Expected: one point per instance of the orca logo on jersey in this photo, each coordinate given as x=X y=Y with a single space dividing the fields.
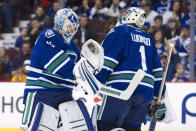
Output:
x=139 y=38
x=49 y=33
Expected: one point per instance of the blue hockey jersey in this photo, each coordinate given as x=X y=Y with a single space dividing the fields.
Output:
x=53 y=54
x=127 y=49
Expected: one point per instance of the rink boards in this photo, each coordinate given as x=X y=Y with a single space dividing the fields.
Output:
x=182 y=97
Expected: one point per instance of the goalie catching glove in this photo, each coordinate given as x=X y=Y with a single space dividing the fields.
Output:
x=91 y=62
x=94 y=54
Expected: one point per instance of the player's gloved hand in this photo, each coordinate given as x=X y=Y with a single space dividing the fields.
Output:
x=93 y=52
x=91 y=62
x=157 y=111
x=163 y=112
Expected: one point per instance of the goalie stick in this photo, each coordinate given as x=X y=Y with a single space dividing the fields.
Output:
x=124 y=95
x=153 y=120
x=98 y=87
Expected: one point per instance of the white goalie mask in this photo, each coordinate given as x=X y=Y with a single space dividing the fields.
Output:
x=133 y=15
x=66 y=22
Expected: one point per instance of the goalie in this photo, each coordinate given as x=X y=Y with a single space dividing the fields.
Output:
x=126 y=49
x=48 y=101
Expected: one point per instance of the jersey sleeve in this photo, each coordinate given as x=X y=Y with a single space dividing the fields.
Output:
x=157 y=72
x=113 y=46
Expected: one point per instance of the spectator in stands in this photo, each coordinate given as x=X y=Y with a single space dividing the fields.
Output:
x=159 y=41
x=163 y=60
x=34 y=30
x=3 y=72
x=183 y=40
x=81 y=7
x=172 y=29
x=21 y=75
x=186 y=19
x=23 y=37
x=162 y=6
x=1 y=24
x=84 y=33
x=8 y=11
x=25 y=9
x=175 y=58
x=98 y=12
x=175 y=13
x=158 y=20
x=179 y=75
x=171 y=68
x=136 y=3
x=45 y=3
x=75 y=3
x=41 y=16
x=24 y=54
x=114 y=9
x=5 y=62
x=150 y=14
x=185 y=61
x=110 y=23
x=56 y=6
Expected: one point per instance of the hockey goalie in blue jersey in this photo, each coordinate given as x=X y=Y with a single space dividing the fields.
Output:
x=126 y=49
x=55 y=53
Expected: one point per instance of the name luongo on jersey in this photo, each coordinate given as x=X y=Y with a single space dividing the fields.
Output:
x=139 y=38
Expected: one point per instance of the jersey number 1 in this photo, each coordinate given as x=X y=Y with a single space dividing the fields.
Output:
x=143 y=57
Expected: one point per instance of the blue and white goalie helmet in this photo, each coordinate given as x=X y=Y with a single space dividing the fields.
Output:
x=66 y=22
x=132 y=15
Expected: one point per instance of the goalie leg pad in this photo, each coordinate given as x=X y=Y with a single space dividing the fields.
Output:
x=45 y=118
x=74 y=116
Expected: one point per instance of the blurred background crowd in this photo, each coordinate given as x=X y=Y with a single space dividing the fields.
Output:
x=21 y=22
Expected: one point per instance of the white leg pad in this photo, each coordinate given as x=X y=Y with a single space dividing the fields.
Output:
x=45 y=118
x=75 y=117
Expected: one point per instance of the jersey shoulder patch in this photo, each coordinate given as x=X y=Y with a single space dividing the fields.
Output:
x=49 y=33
